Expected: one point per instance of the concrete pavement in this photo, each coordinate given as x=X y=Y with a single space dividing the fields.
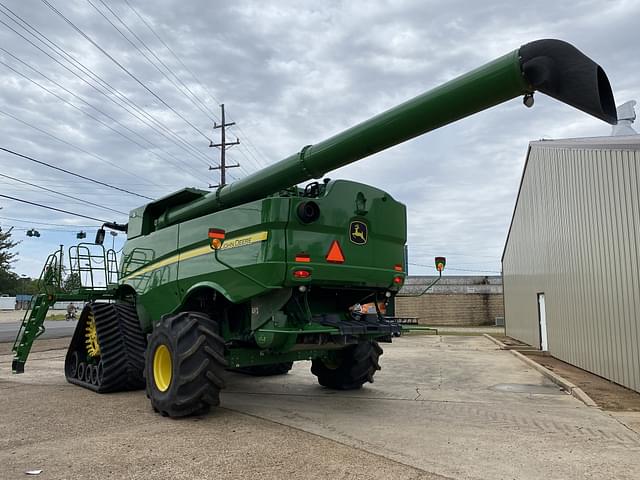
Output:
x=452 y=407
x=455 y=406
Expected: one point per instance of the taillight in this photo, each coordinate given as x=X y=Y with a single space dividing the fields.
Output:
x=301 y=273
x=398 y=280
x=303 y=257
x=397 y=267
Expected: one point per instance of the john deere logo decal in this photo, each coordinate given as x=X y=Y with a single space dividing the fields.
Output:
x=358 y=232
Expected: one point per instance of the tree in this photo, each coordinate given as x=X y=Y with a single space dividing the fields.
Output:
x=8 y=279
x=6 y=244
x=8 y=282
x=71 y=283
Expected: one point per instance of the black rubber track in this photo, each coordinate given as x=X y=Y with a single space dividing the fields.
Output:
x=122 y=349
x=198 y=364
x=266 y=370
x=357 y=366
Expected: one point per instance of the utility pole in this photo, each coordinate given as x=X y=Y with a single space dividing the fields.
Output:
x=223 y=145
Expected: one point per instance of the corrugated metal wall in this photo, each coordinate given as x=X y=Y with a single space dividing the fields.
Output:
x=575 y=236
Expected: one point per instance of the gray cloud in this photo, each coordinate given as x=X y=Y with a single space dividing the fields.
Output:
x=293 y=73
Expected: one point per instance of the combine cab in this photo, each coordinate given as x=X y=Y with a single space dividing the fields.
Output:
x=261 y=272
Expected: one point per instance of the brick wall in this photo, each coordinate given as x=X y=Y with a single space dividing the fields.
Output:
x=452 y=309
x=456 y=300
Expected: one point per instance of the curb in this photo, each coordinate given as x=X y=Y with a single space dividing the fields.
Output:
x=496 y=341
x=571 y=388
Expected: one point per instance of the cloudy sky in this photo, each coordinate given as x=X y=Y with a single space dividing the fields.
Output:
x=290 y=74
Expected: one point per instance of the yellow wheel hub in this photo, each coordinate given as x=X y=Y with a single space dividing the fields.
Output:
x=162 y=368
x=91 y=337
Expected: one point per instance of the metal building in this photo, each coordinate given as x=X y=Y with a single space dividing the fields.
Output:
x=571 y=263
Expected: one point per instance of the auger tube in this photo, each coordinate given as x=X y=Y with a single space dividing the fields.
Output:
x=553 y=67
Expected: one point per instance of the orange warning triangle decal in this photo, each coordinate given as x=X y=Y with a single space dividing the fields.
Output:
x=335 y=254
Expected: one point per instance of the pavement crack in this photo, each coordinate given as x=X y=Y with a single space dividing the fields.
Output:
x=621 y=422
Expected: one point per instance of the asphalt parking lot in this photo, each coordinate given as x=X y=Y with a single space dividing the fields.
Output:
x=442 y=407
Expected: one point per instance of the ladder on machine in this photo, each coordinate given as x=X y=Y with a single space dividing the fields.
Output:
x=92 y=275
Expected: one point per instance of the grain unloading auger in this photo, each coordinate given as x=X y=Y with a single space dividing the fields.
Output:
x=261 y=273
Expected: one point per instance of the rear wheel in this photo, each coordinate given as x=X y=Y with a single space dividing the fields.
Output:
x=266 y=370
x=185 y=365
x=355 y=366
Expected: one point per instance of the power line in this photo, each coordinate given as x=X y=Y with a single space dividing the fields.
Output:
x=122 y=67
x=45 y=223
x=73 y=173
x=52 y=208
x=455 y=269
x=195 y=101
x=117 y=122
x=93 y=117
x=128 y=103
x=40 y=229
x=172 y=53
x=430 y=246
x=98 y=157
x=256 y=160
x=61 y=194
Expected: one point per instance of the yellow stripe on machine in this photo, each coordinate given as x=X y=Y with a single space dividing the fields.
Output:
x=199 y=251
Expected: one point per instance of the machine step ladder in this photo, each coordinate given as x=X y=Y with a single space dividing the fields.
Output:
x=32 y=327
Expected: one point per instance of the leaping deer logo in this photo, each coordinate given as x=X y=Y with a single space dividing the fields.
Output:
x=358 y=233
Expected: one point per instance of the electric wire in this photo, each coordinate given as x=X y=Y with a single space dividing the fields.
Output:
x=70 y=188
x=430 y=246
x=122 y=67
x=59 y=51
x=80 y=149
x=172 y=53
x=81 y=200
x=128 y=103
x=45 y=223
x=53 y=208
x=40 y=229
x=193 y=99
x=40 y=162
x=206 y=161
x=117 y=122
x=455 y=269
x=93 y=117
x=259 y=161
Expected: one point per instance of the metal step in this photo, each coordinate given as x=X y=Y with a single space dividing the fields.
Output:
x=32 y=327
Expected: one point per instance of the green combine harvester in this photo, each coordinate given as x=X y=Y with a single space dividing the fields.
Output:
x=261 y=272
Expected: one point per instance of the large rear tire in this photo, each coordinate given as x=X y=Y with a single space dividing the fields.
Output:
x=185 y=365
x=356 y=365
x=266 y=370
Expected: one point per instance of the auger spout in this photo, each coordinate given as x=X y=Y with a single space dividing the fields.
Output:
x=553 y=67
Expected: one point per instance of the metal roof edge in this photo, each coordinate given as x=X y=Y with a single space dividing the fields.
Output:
x=513 y=215
x=626 y=142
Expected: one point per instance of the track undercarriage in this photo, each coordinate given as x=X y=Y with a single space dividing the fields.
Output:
x=106 y=353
